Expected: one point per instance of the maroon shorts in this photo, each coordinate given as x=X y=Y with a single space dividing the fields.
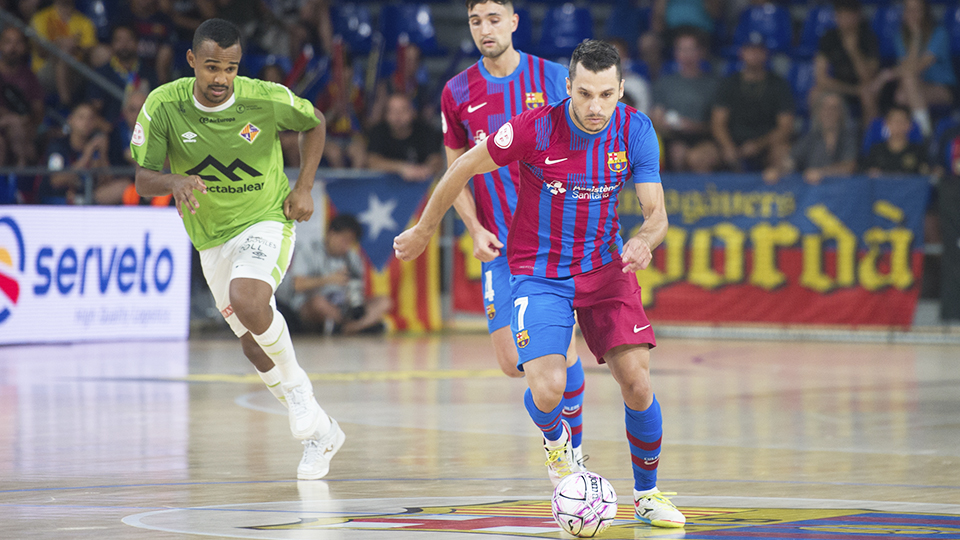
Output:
x=610 y=310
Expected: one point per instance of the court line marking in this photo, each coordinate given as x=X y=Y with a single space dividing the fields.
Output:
x=340 y=376
x=136 y=520
x=532 y=479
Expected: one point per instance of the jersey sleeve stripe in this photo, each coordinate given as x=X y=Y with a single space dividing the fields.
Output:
x=289 y=93
x=146 y=114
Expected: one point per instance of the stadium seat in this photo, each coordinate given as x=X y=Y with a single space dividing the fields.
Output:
x=886 y=25
x=877 y=132
x=771 y=21
x=801 y=79
x=412 y=21
x=562 y=29
x=951 y=21
x=523 y=37
x=352 y=23
x=627 y=22
x=819 y=20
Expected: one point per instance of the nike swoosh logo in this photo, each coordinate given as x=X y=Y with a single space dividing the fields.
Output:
x=472 y=108
x=549 y=161
x=636 y=330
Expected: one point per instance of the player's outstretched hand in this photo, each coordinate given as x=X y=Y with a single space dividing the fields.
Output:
x=298 y=205
x=636 y=255
x=486 y=245
x=183 y=193
x=410 y=244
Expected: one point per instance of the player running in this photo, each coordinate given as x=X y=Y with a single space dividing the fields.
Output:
x=478 y=101
x=566 y=255
x=219 y=132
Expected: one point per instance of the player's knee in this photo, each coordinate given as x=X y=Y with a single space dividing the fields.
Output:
x=547 y=391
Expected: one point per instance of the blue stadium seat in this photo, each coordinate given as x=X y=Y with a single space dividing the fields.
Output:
x=877 y=132
x=801 y=79
x=951 y=21
x=771 y=21
x=413 y=21
x=886 y=24
x=819 y=20
x=523 y=37
x=352 y=22
x=562 y=29
x=627 y=22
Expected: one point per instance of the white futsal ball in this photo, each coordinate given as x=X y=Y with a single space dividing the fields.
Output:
x=584 y=504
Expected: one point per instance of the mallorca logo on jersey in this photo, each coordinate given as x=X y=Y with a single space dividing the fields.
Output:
x=10 y=262
x=535 y=99
x=617 y=161
x=523 y=338
x=249 y=132
x=491 y=312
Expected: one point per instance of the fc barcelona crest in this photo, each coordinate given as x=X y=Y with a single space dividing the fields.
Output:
x=522 y=338
x=491 y=312
x=535 y=99
x=617 y=161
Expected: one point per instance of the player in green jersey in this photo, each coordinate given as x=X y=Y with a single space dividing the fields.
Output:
x=220 y=135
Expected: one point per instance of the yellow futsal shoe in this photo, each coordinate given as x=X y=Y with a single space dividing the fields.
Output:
x=657 y=510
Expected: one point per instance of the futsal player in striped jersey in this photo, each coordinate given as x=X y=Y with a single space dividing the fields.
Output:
x=566 y=255
x=478 y=101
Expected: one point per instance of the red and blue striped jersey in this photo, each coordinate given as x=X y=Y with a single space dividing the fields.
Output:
x=475 y=104
x=566 y=218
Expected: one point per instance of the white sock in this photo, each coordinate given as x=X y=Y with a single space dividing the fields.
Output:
x=559 y=443
x=277 y=344
x=638 y=494
x=272 y=380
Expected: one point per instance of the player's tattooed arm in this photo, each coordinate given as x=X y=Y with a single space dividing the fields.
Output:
x=486 y=245
x=411 y=243
x=638 y=250
x=299 y=203
x=157 y=184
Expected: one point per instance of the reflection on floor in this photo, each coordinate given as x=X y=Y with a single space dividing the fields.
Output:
x=761 y=440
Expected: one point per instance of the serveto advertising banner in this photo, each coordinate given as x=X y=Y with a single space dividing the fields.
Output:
x=93 y=274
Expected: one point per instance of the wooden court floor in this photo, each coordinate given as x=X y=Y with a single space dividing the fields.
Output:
x=761 y=440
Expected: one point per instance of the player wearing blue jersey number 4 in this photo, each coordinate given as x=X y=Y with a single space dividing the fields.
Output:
x=502 y=84
x=566 y=255
x=220 y=135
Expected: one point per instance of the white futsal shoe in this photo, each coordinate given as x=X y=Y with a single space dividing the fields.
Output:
x=560 y=461
x=657 y=510
x=302 y=409
x=318 y=451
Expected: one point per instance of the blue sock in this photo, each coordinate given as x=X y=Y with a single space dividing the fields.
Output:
x=573 y=402
x=644 y=431
x=548 y=422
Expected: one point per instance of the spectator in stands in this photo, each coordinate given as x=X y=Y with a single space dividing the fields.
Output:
x=752 y=118
x=155 y=34
x=636 y=89
x=262 y=27
x=681 y=107
x=21 y=100
x=408 y=77
x=185 y=14
x=289 y=140
x=303 y=21
x=125 y=70
x=342 y=104
x=120 y=155
x=828 y=149
x=948 y=164
x=847 y=60
x=80 y=148
x=74 y=34
x=403 y=144
x=327 y=283
x=896 y=155
x=669 y=15
x=924 y=73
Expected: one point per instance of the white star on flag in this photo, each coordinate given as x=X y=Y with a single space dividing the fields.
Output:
x=378 y=216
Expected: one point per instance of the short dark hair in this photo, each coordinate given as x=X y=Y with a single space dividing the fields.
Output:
x=701 y=37
x=223 y=33
x=595 y=56
x=346 y=223
x=473 y=3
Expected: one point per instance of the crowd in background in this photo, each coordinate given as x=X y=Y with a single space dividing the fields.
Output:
x=725 y=92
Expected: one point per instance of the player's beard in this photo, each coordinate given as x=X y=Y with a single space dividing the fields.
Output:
x=584 y=125
x=496 y=52
x=213 y=98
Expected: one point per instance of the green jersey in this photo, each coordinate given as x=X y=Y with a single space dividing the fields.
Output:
x=233 y=147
